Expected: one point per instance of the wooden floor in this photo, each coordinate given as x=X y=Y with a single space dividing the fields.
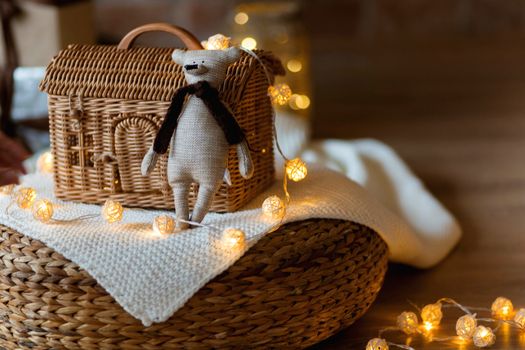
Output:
x=460 y=125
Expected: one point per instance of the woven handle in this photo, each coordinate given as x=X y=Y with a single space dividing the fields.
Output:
x=187 y=38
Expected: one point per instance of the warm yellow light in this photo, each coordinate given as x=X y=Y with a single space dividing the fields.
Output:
x=25 y=197
x=273 y=207
x=280 y=94
x=377 y=344
x=217 y=42
x=428 y=326
x=407 y=322
x=431 y=314
x=112 y=211
x=466 y=326
x=7 y=189
x=299 y=102
x=233 y=239
x=43 y=210
x=249 y=43
x=502 y=308
x=294 y=66
x=296 y=169
x=45 y=163
x=163 y=225
x=519 y=318
x=241 y=18
x=483 y=337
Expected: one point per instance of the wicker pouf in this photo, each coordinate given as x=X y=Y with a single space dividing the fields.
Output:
x=294 y=288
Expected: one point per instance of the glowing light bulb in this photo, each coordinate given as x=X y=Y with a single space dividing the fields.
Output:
x=407 y=321
x=217 y=42
x=428 y=326
x=466 y=326
x=112 y=211
x=280 y=93
x=273 y=207
x=25 y=197
x=45 y=163
x=241 y=18
x=483 y=337
x=431 y=315
x=519 y=318
x=296 y=169
x=249 y=43
x=377 y=344
x=294 y=66
x=233 y=239
x=7 y=189
x=502 y=308
x=43 y=210
x=163 y=225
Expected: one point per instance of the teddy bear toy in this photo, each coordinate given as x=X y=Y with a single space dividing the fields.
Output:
x=199 y=130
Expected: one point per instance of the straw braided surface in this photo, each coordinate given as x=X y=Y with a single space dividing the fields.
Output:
x=106 y=105
x=294 y=288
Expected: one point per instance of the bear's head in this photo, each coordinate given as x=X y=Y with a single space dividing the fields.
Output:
x=208 y=65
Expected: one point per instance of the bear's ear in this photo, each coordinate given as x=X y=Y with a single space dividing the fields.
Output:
x=178 y=56
x=232 y=54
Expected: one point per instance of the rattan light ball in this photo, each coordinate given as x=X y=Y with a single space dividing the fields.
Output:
x=295 y=287
x=163 y=225
x=112 y=211
x=273 y=207
x=43 y=210
x=25 y=197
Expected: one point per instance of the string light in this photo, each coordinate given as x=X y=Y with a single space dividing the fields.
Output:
x=519 y=318
x=7 y=189
x=45 y=163
x=163 y=225
x=25 y=197
x=43 y=210
x=466 y=326
x=233 y=239
x=249 y=43
x=431 y=315
x=483 y=337
x=296 y=169
x=280 y=93
x=217 y=42
x=407 y=322
x=273 y=207
x=112 y=211
x=294 y=66
x=377 y=344
x=502 y=308
x=241 y=18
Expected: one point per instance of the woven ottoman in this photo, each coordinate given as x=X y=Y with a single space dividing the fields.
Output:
x=295 y=287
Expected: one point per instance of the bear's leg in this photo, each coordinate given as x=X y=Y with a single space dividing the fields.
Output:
x=180 y=195
x=204 y=200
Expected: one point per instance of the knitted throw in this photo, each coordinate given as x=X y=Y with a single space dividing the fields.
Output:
x=152 y=277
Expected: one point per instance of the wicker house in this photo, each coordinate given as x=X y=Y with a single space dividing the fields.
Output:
x=106 y=104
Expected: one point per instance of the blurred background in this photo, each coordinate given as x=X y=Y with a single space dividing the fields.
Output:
x=357 y=68
x=440 y=81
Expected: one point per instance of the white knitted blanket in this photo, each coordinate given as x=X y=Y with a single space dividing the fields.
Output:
x=152 y=277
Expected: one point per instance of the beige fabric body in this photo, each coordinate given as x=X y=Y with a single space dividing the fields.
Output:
x=198 y=153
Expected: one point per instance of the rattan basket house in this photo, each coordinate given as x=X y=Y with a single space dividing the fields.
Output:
x=106 y=104
x=294 y=288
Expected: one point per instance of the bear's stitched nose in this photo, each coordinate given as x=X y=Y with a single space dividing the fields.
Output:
x=191 y=66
